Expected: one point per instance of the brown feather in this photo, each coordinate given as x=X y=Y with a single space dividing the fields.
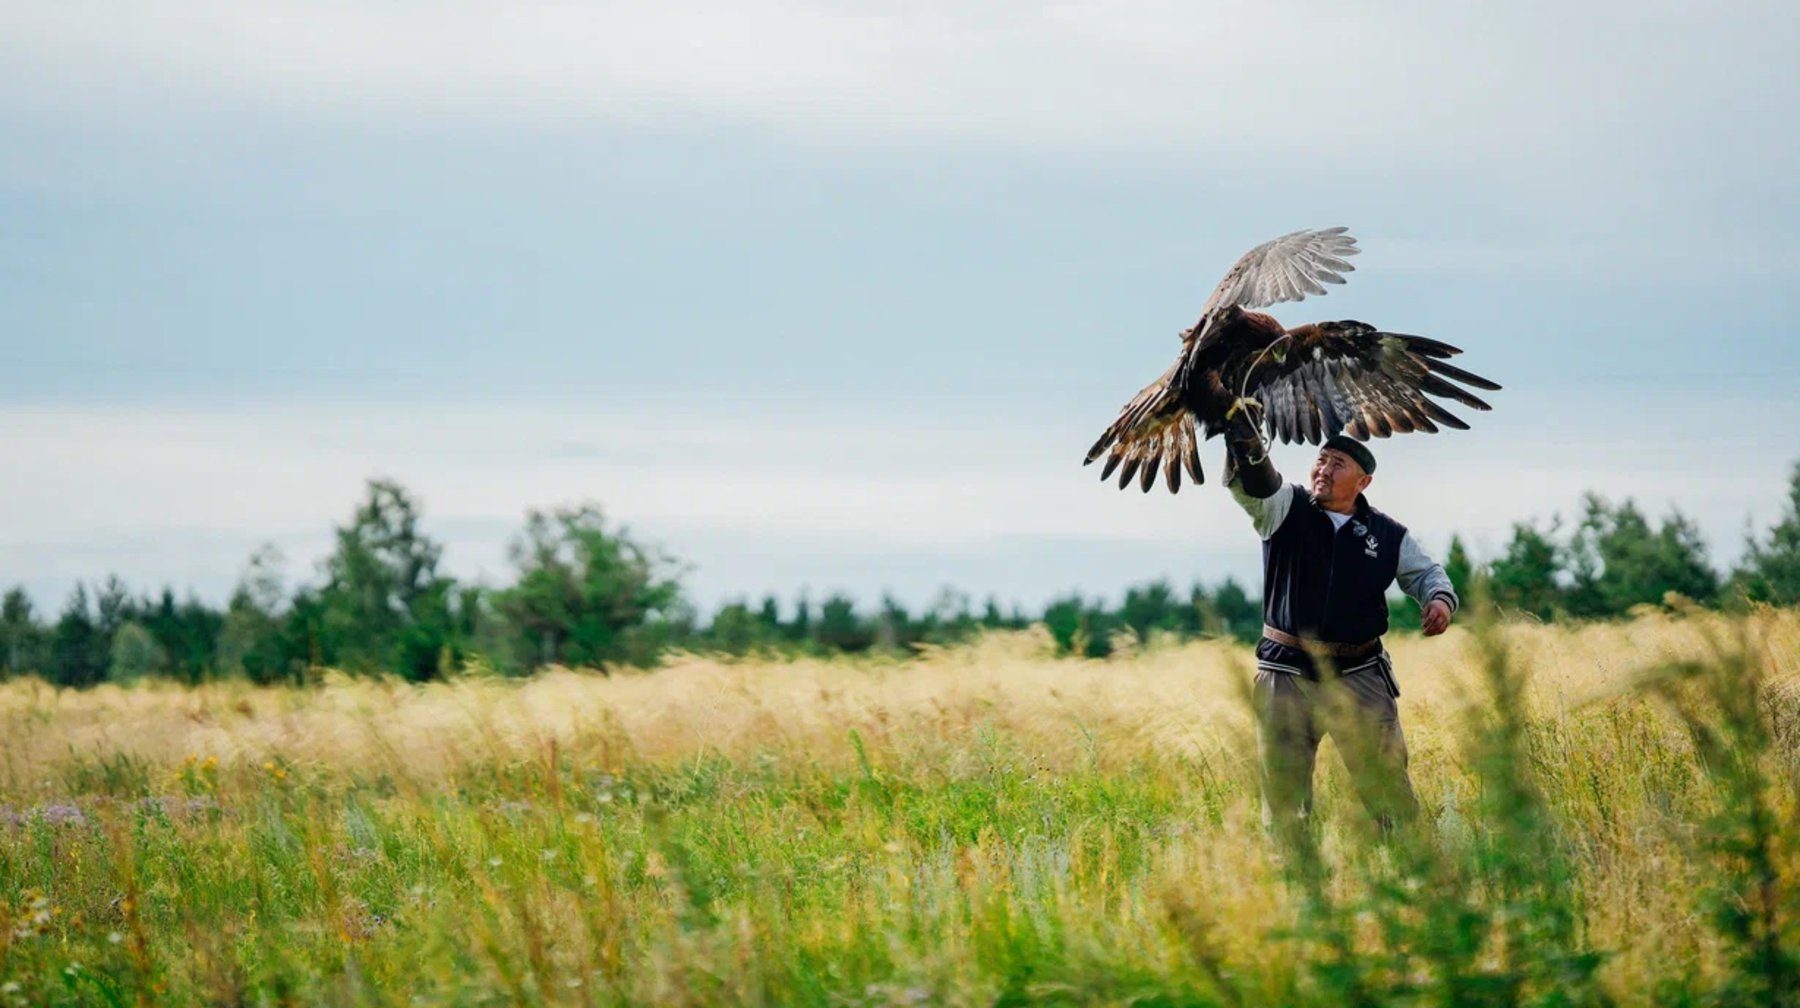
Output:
x=1439 y=387
x=1130 y=470
x=1442 y=415
x=1427 y=346
x=1422 y=422
x=1452 y=371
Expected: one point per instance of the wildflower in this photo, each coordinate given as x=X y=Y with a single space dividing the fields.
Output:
x=493 y=862
x=61 y=815
x=583 y=817
x=114 y=937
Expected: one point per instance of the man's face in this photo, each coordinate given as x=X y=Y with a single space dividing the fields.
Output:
x=1336 y=478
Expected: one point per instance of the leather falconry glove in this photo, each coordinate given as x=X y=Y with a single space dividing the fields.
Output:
x=1247 y=458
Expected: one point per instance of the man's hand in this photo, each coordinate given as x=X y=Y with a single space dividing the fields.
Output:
x=1247 y=459
x=1437 y=617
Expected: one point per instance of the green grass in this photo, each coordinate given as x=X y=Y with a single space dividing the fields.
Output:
x=980 y=827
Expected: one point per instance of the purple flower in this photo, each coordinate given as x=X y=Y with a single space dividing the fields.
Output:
x=60 y=815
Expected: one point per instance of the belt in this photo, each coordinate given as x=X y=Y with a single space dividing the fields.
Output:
x=1364 y=650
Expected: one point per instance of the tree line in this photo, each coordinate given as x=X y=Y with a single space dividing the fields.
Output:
x=592 y=595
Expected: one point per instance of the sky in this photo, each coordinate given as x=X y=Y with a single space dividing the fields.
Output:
x=825 y=297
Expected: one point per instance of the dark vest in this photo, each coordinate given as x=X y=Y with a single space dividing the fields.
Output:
x=1327 y=584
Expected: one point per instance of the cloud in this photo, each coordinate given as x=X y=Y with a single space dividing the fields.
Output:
x=958 y=236
x=1328 y=89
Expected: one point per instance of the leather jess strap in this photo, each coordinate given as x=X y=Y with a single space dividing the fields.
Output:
x=1364 y=650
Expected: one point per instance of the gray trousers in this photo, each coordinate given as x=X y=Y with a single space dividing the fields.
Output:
x=1360 y=713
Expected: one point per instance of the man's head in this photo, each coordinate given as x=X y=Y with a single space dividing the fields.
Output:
x=1341 y=472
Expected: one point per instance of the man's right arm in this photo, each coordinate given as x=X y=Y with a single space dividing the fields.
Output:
x=1266 y=513
x=1253 y=480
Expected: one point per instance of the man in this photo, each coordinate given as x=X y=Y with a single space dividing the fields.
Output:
x=1328 y=559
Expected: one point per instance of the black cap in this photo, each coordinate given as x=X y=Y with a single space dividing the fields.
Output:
x=1353 y=448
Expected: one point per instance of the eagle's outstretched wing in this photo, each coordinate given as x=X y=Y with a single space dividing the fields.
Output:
x=1155 y=431
x=1285 y=269
x=1328 y=377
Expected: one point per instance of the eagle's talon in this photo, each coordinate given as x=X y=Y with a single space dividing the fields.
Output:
x=1244 y=404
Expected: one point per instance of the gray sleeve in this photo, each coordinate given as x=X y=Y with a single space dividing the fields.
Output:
x=1266 y=513
x=1422 y=577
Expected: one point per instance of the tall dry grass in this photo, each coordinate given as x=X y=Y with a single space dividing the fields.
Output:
x=979 y=825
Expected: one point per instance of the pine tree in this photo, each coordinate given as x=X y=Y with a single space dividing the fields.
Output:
x=1525 y=578
x=1771 y=568
x=1459 y=568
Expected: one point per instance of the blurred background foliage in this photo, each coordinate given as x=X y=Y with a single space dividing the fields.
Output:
x=587 y=593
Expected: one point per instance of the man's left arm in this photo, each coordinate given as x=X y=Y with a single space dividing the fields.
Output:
x=1424 y=579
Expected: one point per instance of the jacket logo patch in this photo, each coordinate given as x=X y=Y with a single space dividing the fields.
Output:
x=1370 y=546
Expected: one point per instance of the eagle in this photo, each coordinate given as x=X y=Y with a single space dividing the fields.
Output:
x=1240 y=367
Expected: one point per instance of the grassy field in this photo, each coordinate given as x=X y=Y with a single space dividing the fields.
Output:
x=978 y=826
